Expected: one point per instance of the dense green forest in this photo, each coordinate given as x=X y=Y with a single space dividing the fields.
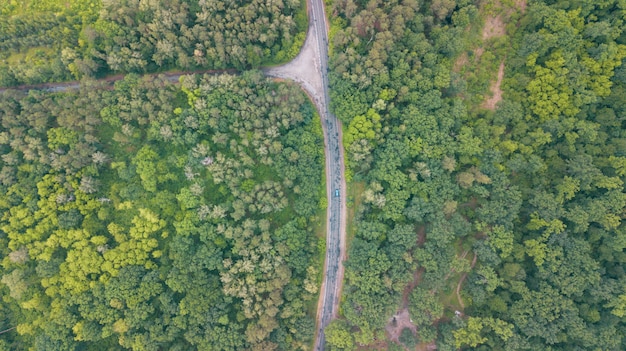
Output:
x=56 y=40
x=486 y=156
x=518 y=210
x=155 y=216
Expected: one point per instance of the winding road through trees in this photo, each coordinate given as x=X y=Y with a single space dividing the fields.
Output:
x=310 y=70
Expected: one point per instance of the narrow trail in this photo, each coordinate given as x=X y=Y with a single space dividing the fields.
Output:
x=171 y=76
x=310 y=70
x=463 y=277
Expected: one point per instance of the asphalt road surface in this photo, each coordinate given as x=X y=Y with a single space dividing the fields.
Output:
x=310 y=70
x=335 y=180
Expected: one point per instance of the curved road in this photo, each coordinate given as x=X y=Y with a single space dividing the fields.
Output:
x=335 y=180
x=310 y=70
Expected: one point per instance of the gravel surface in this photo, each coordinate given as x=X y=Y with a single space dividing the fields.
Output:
x=304 y=69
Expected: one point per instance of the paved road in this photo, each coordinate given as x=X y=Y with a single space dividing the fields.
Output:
x=335 y=180
x=310 y=69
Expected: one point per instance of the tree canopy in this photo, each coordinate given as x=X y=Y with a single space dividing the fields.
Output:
x=497 y=230
x=54 y=40
x=156 y=216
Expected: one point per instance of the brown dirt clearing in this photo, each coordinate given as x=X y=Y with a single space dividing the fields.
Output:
x=397 y=323
x=426 y=347
x=460 y=62
x=494 y=27
x=478 y=52
x=521 y=5
x=496 y=91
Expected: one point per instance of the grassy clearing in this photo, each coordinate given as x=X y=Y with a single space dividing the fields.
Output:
x=487 y=42
x=447 y=295
x=355 y=198
x=354 y=193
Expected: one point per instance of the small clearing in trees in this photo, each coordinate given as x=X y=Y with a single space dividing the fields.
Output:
x=460 y=62
x=402 y=319
x=463 y=277
x=494 y=27
x=478 y=52
x=397 y=323
x=496 y=91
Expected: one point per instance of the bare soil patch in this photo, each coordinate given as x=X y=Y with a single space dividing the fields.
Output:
x=397 y=323
x=304 y=70
x=478 y=52
x=426 y=347
x=521 y=5
x=460 y=62
x=496 y=91
x=494 y=27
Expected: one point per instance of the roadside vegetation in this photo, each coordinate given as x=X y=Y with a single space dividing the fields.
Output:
x=160 y=217
x=490 y=136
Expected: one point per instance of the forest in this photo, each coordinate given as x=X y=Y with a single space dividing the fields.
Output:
x=476 y=226
x=58 y=40
x=154 y=216
x=485 y=145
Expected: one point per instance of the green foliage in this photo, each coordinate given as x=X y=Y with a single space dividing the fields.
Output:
x=363 y=127
x=338 y=336
x=162 y=225
x=425 y=307
x=470 y=335
x=535 y=188
x=53 y=40
x=408 y=339
x=144 y=161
